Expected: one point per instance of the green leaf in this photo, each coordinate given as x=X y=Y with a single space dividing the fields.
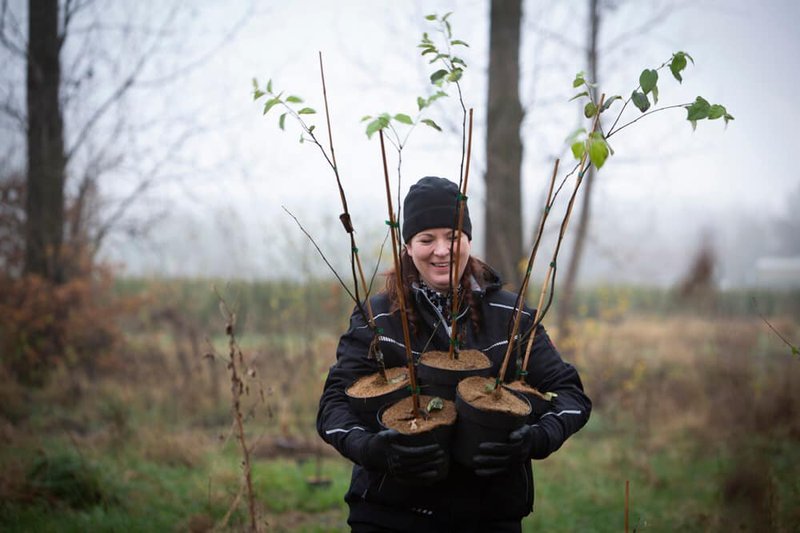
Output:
x=578 y=81
x=647 y=80
x=429 y=50
x=678 y=63
x=376 y=125
x=421 y=103
x=255 y=84
x=282 y=121
x=365 y=118
x=458 y=61
x=610 y=101
x=795 y=350
x=640 y=100
x=311 y=128
x=727 y=118
x=270 y=104
x=575 y=134
x=430 y=17
x=578 y=149
x=584 y=93
x=698 y=110
x=459 y=42
x=302 y=139
x=269 y=86
x=437 y=76
x=716 y=111
x=432 y=124
x=455 y=75
x=436 y=404
x=598 y=152
x=294 y=99
x=435 y=96
x=306 y=111
x=589 y=110
x=654 y=92
x=258 y=94
x=403 y=118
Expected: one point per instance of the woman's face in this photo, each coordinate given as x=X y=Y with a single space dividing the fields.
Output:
x=430 y=251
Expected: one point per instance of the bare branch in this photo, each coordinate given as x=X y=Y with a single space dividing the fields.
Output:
x=103 y=109
x=14 y=48
x=140 y=189
x=14 y=113
x=341 y=281
x=642 y=29
x=118 y=93
x=557 y=38
x=205 y=57
x=71 y=7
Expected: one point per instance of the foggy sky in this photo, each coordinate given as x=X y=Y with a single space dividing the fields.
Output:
x=665 y=192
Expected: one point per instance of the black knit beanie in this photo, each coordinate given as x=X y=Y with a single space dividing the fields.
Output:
x=432 y=203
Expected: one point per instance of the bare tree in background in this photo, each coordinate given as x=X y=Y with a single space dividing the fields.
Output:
x=44 y=205
x=90 y=159
x=503 y=143
x=597 y=10
x=787 y=226
x=567 y=295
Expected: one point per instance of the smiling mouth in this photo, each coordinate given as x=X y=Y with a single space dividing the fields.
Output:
x=441 y=265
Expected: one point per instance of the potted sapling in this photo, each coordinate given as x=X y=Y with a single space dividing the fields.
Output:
x=476 y=397
x=441 y=371
x=488 y=411
x=539 y=401
x=420 y=419
x=370 y=392
x=593 y=149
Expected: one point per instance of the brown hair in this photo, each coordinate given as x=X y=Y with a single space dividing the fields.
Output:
x=474 y=268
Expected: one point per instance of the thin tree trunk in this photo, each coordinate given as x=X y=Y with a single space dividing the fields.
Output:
x=566 y=302
x=44 y=204
x=503 y=143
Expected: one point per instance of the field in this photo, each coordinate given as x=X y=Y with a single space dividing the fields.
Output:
x=696 y=407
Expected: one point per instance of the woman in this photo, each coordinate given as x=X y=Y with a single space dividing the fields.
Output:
x=390 y=489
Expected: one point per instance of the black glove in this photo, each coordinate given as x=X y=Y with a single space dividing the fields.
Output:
x=495 y=457
x=412 y=464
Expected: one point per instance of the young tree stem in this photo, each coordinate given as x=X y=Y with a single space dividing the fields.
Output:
x=455 y=262
x=539 y=314
x=401 y=299
x=524 y=286
x=345 y=218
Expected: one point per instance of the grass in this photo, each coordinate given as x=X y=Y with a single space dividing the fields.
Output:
x=582 y=487
x=131 y=492
x=697 y=410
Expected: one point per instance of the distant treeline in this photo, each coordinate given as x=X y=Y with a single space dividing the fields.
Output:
x=284 y=306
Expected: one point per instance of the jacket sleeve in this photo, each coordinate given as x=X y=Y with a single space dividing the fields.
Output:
x=337 y=424
x=569 y=410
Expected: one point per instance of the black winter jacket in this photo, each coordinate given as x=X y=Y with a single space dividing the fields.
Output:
x=462 y=500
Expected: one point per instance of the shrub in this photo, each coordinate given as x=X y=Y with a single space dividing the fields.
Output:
x=43 y=324
x=66 y=479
